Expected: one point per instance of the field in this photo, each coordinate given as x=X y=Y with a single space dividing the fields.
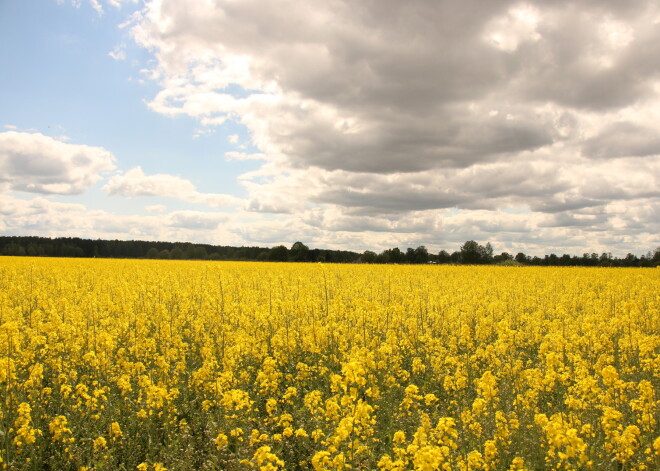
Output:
x=153 y=365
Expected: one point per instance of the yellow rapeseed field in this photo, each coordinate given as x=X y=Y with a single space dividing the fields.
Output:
x=153 y=365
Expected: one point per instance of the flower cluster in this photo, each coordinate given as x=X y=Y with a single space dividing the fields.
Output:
x=154 y=365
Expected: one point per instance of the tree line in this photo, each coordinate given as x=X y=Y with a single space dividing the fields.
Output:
x=100 y=248
x=470 y=253
x=473 y=253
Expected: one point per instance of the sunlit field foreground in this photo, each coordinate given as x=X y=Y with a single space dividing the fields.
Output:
x=114 y=364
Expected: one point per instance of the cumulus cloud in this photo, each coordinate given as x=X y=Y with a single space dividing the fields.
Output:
x=340 y=86
x=195 y=220
x=135 y=183
x=531 y=124
x=41 y=216
x=155 y=208
x=34 y=163
x=534 y=181
x=398 y=87
x=623 y=139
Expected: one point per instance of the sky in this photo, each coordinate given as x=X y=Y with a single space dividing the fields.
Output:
x=343 y=124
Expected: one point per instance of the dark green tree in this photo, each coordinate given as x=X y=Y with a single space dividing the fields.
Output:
x=410 y=255
x=444 y=257
x=13 y=249
x=471 y=252
x=368 y=257
x=383 y=257
x=521 y=257
x=395 y=255
x=421 y=255
x=299 y=252
x=278 y=254
x=198 y=253
x=486 y=253
x=503 y=257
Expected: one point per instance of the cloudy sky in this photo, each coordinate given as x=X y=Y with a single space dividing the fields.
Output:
x=347 y=124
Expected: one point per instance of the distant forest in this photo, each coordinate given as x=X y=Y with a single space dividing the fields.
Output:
x=470 y=253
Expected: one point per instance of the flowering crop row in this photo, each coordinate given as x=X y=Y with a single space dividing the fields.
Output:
x=153 y=365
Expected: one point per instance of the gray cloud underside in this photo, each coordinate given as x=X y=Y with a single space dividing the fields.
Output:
x=367 y=114
x=623 y=139
x=385 y=123
x=34 y=163
x=407 y=86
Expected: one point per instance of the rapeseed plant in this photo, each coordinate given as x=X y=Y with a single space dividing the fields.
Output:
x=116 y=364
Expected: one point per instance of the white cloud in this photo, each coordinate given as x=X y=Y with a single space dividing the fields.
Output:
x=34 y=163
x=155 y=208
x=386 y=117
x=195 y=220
x=331 y=227
x=507 y=32
x=135 y=183
x=119 y=52
x=233 y=155
x=119 y=3
x=41 y=216
x=95 y=4
x=531 y=124
x=199 y=132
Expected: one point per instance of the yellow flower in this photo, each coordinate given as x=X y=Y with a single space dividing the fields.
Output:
x=100 y=444
x=487 y=386
x=58 y=428
x=266 y=460
x=221 y=441
x=321 y=460
x=115 y=430
x=490 y=450
x=271 y=405
x=351 y=365
x=430 y=399
x=517 y=464
x=25 y=433
x=430 y=457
